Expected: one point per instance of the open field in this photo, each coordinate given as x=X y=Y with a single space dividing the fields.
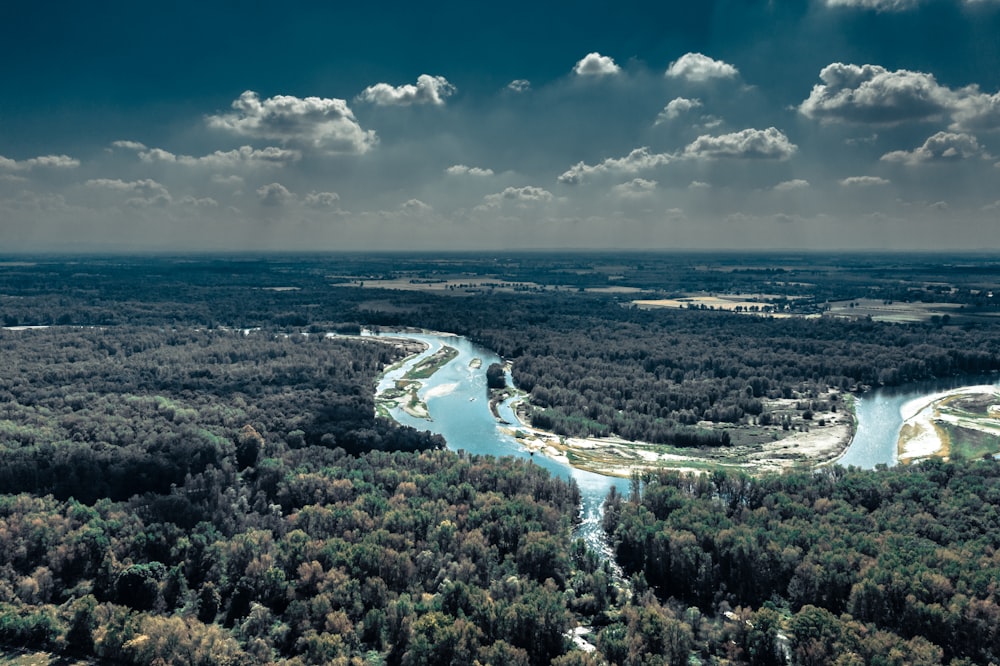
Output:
x=458 y=285
x=892 y=311
x=755 y=304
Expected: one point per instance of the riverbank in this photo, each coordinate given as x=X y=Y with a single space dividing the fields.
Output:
x=821 y=442
x=962 y=422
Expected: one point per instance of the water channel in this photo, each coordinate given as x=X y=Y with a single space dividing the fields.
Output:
x=456 y=398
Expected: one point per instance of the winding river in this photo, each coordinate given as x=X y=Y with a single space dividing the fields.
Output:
x=456 y=399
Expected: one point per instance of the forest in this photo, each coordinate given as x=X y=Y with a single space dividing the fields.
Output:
x=860 y=567
x=192 y=470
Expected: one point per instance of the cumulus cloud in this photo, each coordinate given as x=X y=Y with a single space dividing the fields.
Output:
x=415 y=207
x=427 y=90
x=635 y=188
x=791 y=185
x=699 y=185
x=770 y=143
x=595 y=64
x=146 y=187
x=521 y=196
x=128 y=145
x=638 y=160
x=146 y=192
x=322 y=199
x=675 y=108
x=42 y=161
x=519 y=85
x=326 y=123
x=976 y=111
x=863 y=181
x=463 y=170
x=226 y=159
x=274 y=194
x=871 y=94
x=942 y=147
x=699 y=68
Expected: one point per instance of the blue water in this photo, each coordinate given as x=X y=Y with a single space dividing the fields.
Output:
x=462 y=416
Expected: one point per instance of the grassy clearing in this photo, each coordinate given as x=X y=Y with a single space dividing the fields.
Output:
x=969 y=443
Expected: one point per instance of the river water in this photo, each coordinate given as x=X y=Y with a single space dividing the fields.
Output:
x=457 y=401
x=458 y=404
x=880 y=419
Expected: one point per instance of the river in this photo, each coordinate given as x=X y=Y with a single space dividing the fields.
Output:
x=879 y=418
x=456 y=399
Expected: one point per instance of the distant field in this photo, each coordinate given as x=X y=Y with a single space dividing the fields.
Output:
x=892 y=311
x=455 y=285
x=740 y=303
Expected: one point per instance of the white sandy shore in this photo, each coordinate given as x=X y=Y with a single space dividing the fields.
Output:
x=918 y=437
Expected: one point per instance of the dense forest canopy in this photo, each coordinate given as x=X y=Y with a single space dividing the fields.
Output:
x=192 y=471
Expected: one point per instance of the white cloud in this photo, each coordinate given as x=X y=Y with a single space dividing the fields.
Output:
x=770 y=143
x=942 y=147
x=871 y=94
x=675 y=108
x=892 y=5
x=428 y=90
x=147 y=192
x=863 y=181
x=595 y=64
x=639 y=159
x=322 y=199
x=42 y=161
x=326 y=123
x=699 y=185
x=791 y=185
x=227 y=159
x=519 y=85
x=518 y=195
x=635 y=188
x=463 y=170
x=128 y=145
x=976 y=111
x=274 y=194
x=877 y=5
x=146 y=187
x=699 y=68
x=415 y=207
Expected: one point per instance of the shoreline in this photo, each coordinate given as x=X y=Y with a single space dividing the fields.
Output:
x=614 y=456
x=921 y=436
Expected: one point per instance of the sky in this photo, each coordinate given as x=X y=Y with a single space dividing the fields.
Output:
x=298 y=126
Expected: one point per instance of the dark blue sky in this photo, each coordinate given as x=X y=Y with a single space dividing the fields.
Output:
x=814 y=124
